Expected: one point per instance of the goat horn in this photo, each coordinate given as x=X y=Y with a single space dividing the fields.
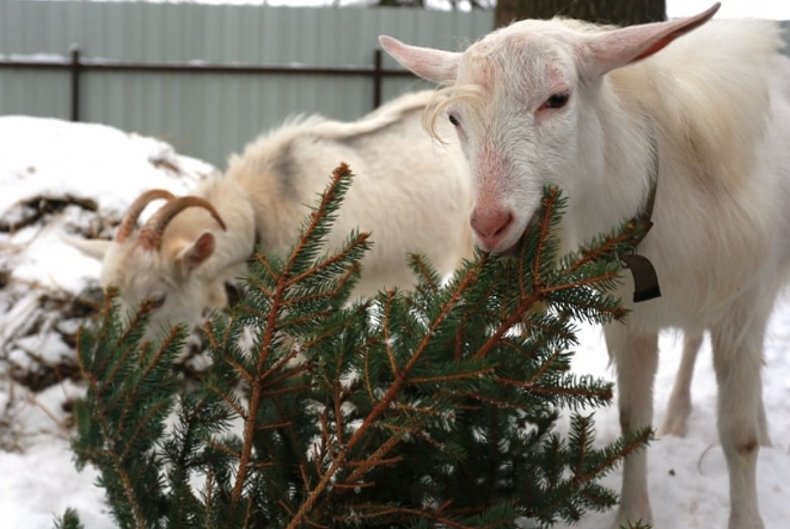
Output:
x=137 y=207
x=151 y=234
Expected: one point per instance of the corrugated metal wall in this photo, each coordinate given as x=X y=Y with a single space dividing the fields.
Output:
x=210 y=116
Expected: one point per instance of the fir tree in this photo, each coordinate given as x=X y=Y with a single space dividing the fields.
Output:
x=432 y=408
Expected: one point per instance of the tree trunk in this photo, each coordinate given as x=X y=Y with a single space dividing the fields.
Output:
x=619 y=12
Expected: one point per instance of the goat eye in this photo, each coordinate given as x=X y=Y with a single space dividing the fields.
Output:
x=556 y=100
x=157 y=300
x=454 y=120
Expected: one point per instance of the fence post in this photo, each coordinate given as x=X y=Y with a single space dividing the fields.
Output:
x=377 y=77
x=75 y=82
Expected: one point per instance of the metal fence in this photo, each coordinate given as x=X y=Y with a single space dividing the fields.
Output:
x=77 y=66
x=208 y=78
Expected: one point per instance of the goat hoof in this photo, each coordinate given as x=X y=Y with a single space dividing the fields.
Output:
x=675 y=423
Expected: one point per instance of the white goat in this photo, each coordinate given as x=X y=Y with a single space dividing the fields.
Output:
x=411 y=194
x=595 y=110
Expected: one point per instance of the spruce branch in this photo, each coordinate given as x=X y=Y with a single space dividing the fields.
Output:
x=507 y=325
x=389 y=396
x=608 y=246
x=548 y=217
x=294 y=271
x=69 y=520
x=410 y=409
x=357 y=243
x=429 y=279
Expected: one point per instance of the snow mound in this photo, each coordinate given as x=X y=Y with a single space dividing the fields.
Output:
x=61 y=178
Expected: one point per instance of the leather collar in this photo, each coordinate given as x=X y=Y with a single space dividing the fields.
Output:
x=644 y=273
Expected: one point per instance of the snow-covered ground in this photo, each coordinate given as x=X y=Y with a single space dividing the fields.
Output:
x=96 y=171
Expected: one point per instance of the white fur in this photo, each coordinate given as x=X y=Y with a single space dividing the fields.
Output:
x=411 y=193
x=679 y=406
x=717 y=104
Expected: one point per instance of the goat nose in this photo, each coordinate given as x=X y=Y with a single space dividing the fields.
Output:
x=490 y=225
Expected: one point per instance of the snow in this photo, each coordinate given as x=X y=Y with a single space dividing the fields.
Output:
x=119 y=164
x=688 y=477
x=34 y=57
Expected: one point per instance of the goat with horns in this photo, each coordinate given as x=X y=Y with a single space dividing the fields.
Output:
x=183 y=257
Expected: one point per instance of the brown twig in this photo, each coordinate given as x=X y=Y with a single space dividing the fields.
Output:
x=545 y=225
x=375 y=459
x=454 y=376
x=386 y=329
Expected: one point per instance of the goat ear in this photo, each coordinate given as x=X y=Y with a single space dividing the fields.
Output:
x=95 y=248
x=196 y=253
x=434 y=65
x=613 y=49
